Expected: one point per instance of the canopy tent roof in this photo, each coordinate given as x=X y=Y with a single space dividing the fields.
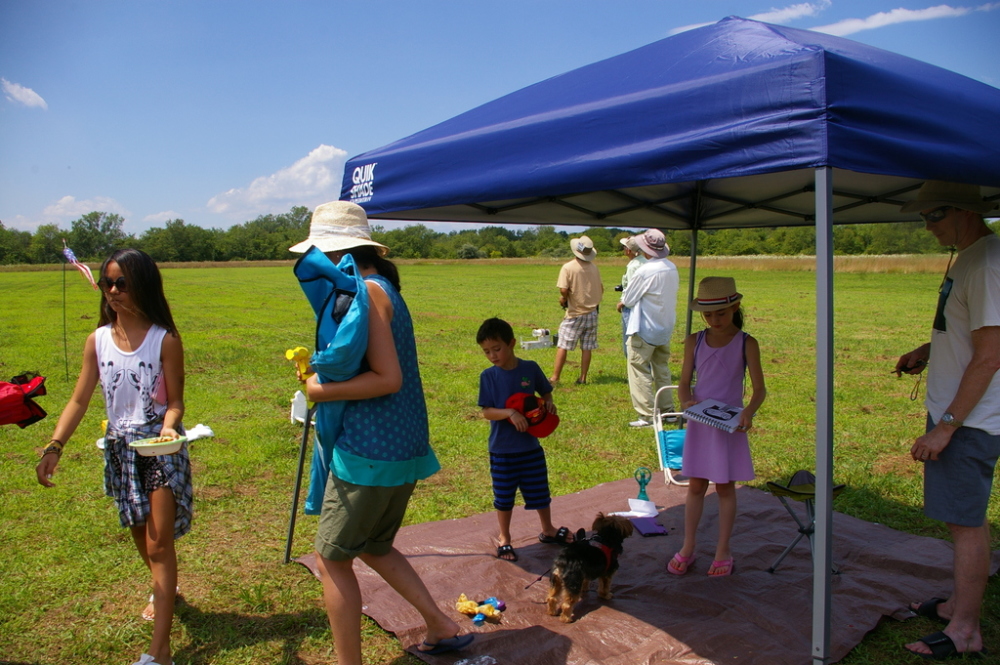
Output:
x=736 y=124
x=717 y=127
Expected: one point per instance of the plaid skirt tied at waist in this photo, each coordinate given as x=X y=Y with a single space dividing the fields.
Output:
x=125 y=470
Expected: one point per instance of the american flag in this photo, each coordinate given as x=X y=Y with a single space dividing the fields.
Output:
x=71 y=257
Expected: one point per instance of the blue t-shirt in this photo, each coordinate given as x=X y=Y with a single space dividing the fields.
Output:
x=495 y=386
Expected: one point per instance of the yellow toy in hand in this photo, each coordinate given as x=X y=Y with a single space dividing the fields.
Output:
x=300 y=355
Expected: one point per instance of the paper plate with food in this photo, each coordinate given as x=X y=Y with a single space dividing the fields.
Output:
x=158 y=445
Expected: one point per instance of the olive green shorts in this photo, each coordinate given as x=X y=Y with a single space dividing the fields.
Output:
x=358 y=519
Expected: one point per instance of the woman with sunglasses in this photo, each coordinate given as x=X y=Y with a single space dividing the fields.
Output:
x=137 y=357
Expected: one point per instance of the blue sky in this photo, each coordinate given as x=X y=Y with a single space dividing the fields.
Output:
x=217 y=111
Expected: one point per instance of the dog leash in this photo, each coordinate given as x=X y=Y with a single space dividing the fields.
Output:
x=540 y=577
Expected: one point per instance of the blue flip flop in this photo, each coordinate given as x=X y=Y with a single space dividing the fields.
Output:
x=456 y=643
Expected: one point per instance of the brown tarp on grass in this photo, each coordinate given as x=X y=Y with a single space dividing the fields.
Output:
x=752 y=617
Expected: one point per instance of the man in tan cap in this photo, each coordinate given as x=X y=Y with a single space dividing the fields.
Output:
x=580 y=292
x=962 y=441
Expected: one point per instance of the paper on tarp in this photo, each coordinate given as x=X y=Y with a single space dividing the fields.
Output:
x=639 y=508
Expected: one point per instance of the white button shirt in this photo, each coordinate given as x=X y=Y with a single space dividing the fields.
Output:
x=652 y=295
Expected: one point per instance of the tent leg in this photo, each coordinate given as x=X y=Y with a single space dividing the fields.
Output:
x=298 y=482
x=695 y=225
x=823 y=534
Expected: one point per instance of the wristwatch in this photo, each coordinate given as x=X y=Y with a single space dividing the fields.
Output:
x=949 y=419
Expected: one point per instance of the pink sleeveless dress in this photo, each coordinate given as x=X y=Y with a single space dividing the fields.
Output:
x=709 y=452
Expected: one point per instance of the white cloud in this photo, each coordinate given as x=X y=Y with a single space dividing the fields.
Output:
x=314 y=179
x=780 y=16
x=882 y=19
x=792 y=12
x=161 y=217
x=64 y=211
x=21 y=95
x=68 y=208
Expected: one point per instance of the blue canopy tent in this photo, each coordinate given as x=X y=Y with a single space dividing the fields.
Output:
x=736 y=124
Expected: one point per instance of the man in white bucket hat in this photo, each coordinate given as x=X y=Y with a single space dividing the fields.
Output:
x=580 y=292
x=962 y=441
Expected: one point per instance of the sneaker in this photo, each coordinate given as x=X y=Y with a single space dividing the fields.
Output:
x=670 y=419
x=640 y=423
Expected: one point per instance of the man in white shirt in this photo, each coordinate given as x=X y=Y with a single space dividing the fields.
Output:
x=961 y=446
x=652 y=296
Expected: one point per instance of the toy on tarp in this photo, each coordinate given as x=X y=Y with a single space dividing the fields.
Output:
x=643 y=476
x=481 y=612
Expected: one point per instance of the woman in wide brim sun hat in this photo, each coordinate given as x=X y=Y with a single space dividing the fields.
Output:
x=337 y=226
x=375 y=463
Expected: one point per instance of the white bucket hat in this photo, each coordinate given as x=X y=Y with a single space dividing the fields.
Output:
x=583 y=248
x=338 y=226
x=629 y=244
x=938 y=194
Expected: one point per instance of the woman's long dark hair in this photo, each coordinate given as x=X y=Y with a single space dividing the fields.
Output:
x=367 y=256
x=145 y=288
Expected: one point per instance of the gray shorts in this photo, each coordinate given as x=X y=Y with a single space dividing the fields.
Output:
x=358 y=519
x=957 y=485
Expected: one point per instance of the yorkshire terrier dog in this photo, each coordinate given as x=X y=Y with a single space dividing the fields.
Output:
x=586 y=559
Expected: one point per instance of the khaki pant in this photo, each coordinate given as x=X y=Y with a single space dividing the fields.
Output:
x=648 y=371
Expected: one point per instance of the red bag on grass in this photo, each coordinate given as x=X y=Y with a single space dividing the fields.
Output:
x=16 y=400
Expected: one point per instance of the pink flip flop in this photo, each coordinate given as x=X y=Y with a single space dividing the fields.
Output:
x=679 y=565
x=717 y=565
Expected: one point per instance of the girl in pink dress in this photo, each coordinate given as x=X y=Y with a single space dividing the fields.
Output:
x=720 y=356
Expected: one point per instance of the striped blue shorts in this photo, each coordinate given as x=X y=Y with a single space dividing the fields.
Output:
x=527 y=471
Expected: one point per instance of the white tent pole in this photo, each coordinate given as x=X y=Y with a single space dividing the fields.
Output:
x=822 y=553
x=695 y=224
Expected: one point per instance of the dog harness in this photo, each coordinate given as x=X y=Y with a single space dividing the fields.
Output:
x=610 y=555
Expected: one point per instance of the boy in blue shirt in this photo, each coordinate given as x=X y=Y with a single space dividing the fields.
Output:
x=516 y=457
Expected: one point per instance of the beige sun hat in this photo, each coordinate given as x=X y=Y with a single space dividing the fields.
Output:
x=938 y=193
x=337 y=226
x=715 y=293
x=654 y=243
x=583 y=248
x=629 y=243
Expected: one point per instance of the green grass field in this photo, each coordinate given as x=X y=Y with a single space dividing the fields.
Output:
x=72 y=587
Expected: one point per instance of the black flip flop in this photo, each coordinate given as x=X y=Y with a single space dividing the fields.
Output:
x=558 y=539
x=943 y=648
x=502 y=552
x=456 y=643
x=928 y=609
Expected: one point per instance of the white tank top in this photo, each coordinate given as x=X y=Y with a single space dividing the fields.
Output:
x=133 y=381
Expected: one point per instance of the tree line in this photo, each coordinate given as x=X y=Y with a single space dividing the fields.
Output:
x=96 y=235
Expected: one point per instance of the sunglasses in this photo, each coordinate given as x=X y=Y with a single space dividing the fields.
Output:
x=936 y=215
x=106 y=283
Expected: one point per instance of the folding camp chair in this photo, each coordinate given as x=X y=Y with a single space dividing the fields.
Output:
x=801 y=487
x=669 y=443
